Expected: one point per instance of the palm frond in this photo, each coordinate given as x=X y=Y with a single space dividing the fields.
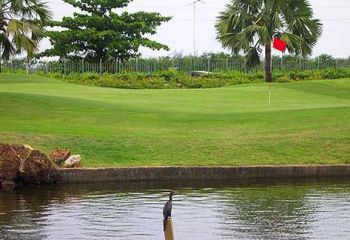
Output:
x=245 y=23
x=252 y=57
x=22 y=25
x=6 y=46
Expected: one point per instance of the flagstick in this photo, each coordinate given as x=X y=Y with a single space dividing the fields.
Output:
x=270 y=79
x=270 y=84
x=270 y=89
x=281 y=44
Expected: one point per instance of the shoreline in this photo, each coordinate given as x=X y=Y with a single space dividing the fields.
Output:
x=154 y=174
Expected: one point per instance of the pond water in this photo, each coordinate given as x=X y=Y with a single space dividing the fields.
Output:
x=284 y=210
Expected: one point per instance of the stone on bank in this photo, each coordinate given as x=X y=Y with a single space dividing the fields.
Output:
x=20 y=164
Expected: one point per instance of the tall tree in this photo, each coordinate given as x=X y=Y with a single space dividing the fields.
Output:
x=21 y=26
x=98 y=31
x=249 y=26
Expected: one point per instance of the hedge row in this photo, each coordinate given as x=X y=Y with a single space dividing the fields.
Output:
x=172 y=79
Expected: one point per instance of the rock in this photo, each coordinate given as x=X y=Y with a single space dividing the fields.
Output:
x=38 y=169
x=9 y=162
x=8 y=185
x=72 y=161
x=59 y=156
x=26 y=146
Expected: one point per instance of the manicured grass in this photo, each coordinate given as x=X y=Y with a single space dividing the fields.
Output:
x=307 y=122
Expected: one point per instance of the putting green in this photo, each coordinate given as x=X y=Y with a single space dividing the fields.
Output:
x=307 y=122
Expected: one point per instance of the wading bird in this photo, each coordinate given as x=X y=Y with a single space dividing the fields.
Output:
x=168 y=206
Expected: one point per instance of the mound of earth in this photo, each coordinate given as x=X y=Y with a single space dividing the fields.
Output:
x=37 y=169
x=20 y=163
x=9 y=162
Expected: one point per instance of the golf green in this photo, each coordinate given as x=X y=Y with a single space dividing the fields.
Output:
x=306 y=122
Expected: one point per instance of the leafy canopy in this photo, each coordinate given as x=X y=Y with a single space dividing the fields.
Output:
x=22 y=26
x=99 y=32
x=248 y=25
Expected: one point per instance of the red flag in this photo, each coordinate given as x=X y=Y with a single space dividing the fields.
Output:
x=279 y=44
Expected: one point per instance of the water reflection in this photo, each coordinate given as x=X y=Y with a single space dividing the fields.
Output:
x=202 y=210
x=268 y=212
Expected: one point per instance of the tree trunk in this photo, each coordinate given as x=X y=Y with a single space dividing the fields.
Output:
x=268 y=63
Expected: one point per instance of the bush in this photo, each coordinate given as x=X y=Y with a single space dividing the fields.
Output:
x=172 y=78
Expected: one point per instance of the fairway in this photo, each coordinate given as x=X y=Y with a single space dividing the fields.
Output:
x=307 y=123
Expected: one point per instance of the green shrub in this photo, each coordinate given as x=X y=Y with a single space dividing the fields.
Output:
x=174 y=79
x=283 y=79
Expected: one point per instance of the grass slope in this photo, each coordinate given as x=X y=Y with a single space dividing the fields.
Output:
x=307 y=122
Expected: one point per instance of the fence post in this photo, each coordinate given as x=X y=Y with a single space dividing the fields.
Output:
x=192 y=64
x=27 y=65
x=281 y=64
x=101 y=66
x=209 y=67
x=136 y=65
x=64 y=66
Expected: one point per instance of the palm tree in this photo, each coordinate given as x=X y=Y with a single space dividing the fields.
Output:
x=248 y=26
x=21 y=27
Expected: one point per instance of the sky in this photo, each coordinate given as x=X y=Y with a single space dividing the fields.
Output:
x=178 y=33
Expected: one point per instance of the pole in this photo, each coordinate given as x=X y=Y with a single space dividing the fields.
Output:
x=194 y=28
x=169 y=231
x=270 y=82
x=0 y=59
x=209 y=66
x=270 y=92
x=281 y=63
x=137 y=65
x=27 y=65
